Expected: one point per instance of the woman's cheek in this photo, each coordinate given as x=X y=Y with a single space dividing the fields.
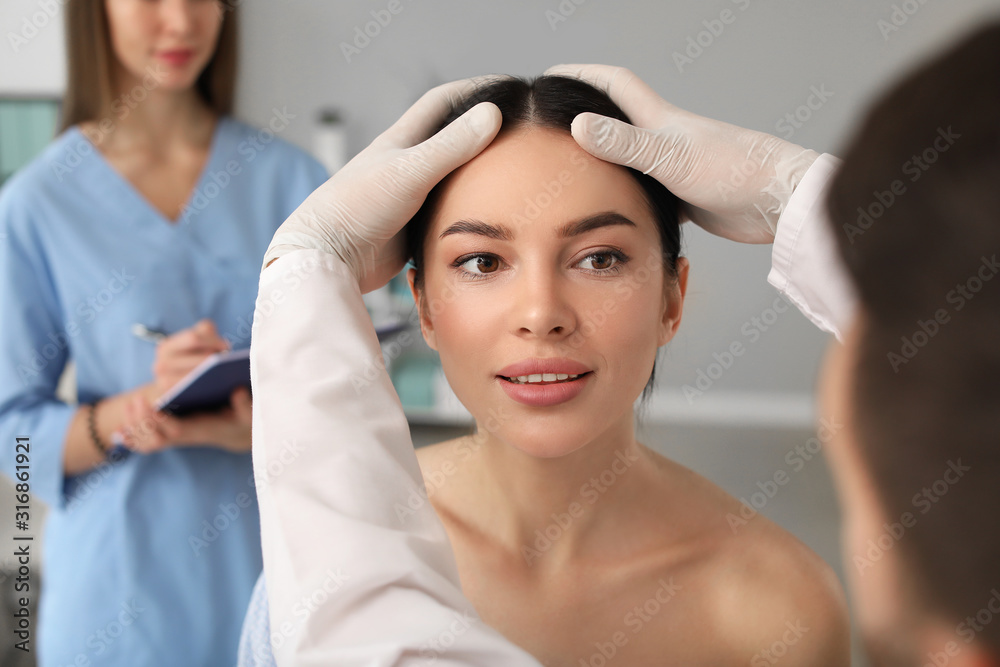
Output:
x=468 y=344
x=632 y=330
x=466 y=327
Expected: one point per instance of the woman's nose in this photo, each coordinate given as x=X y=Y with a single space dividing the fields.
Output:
x=542 y=304
x=177 y=15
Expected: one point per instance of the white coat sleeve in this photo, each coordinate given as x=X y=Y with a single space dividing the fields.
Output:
x=359 y=569
x=805 y=266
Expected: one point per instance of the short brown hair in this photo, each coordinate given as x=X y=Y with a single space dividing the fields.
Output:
x=89 y=87
x=915 y=209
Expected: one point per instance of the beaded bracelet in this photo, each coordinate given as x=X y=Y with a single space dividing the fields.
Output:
x=93 y=430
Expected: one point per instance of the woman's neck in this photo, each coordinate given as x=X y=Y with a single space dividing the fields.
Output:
x=148 y=118
x=557 y=510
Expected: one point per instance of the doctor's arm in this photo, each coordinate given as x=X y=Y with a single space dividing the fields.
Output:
x=356 y=572
x=35 y=343
x=52 y=436
x=740 y=184
x=145 y=430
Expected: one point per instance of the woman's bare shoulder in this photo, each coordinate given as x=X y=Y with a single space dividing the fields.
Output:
x=762 y=586
x=778 y=597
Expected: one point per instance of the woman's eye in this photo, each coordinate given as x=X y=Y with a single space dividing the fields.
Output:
x=479 y=264
x=606 y=261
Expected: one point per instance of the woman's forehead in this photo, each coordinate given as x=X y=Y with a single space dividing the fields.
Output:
x=539 y=176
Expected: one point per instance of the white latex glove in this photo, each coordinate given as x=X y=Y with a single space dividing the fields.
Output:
x=359 y=212
x=734 y=182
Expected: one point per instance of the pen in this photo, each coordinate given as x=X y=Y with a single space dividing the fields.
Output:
x=145 y=333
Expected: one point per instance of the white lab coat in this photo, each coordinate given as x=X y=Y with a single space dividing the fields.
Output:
x=804 y=262
x=358 y=566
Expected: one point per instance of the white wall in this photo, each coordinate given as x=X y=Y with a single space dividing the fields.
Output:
x=761 y=67
x=32 y=54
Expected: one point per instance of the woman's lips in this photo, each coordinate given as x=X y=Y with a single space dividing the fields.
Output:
x=535 y=365
x=545 y=394
x=176 y=57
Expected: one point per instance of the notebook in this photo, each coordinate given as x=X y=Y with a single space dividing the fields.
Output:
x=209 y=385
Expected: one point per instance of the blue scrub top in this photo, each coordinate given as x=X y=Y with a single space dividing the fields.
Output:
x=149 y=560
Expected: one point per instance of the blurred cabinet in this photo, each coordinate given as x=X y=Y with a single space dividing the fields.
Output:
x=27 y=125
x=414 y=368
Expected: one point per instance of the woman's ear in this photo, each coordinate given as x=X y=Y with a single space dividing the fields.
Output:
x=426 y=327
x=674 y=291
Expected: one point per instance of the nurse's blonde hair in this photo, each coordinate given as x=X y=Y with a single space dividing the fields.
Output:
x=89 y=85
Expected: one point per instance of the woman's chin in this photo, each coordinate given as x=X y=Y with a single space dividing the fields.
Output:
x=548 y=435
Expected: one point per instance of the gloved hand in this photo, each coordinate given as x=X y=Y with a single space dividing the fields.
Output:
x=359 y=212
x=735 y=182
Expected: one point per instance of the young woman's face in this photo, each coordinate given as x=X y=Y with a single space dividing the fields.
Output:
x=166 y=43
x=578 y=281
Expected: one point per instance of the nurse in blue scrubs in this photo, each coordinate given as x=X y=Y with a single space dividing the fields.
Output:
x=153 y=206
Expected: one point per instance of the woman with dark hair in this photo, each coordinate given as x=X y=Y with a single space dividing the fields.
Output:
x=547 y=280
x=552 y=103
x=152 y=207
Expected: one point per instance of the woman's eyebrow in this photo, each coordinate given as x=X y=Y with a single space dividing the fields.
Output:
x=605 y=219
x=573 y=228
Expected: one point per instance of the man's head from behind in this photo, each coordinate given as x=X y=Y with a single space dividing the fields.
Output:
x=916 y=214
